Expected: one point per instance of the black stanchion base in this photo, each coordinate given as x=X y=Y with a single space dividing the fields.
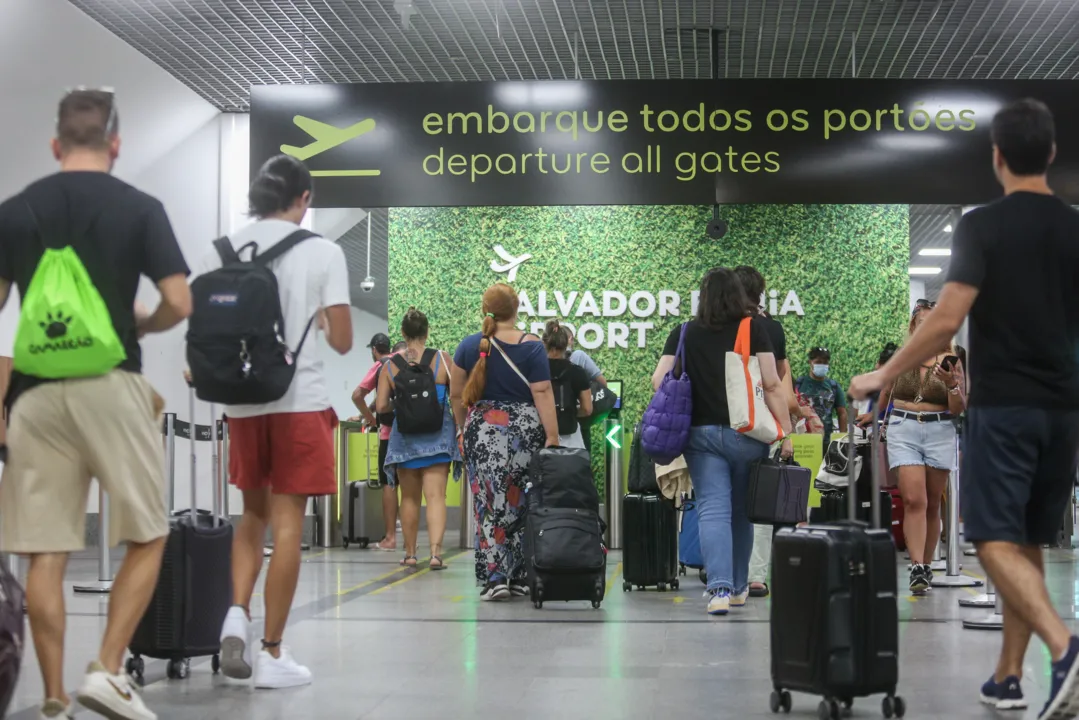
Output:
x=955 y=581
x=992 y=621
x=984 y=600
x=102 y=587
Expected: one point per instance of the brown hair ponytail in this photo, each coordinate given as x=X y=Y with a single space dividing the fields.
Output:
x=499 y=305
x=555 y=336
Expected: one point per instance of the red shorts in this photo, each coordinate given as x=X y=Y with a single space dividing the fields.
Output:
x=291 y=453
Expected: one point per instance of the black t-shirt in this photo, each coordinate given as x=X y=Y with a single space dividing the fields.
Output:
x=777 y=336
x=578 y=378
x=1022 y=254
x=118 y=232
x=706 y=356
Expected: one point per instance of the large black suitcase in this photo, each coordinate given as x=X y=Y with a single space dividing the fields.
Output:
x=833 y=508
x=565 y=558
x=834 y=615
x=649 y=542
x=194 y=588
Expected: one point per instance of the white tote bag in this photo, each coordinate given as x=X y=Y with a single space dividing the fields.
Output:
x=745 y=392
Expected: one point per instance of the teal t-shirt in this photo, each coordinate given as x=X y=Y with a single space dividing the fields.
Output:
x=824 y=395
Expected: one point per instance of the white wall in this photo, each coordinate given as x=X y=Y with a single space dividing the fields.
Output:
x=917 y=292
x=344 y=372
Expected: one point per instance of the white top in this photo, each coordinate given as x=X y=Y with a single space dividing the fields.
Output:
x=312 y=275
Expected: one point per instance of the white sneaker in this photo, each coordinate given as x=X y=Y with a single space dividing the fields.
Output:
x=236 y=645
x=740 y=599
x=56 y=710
x=112 y=696
x=282 y=672
x=719 y=604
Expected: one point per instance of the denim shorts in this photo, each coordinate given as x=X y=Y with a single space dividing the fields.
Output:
x=921 y=443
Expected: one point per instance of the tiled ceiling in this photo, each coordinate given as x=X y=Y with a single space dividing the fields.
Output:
x=221 y=47
x=929 y=229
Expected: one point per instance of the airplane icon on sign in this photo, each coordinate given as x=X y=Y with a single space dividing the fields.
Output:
x=511 y=263
x=327 y=137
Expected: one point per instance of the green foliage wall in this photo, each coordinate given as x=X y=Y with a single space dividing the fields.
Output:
x=847 y=263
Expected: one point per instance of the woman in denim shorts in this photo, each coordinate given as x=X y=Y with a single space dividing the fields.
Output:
x=922 y=447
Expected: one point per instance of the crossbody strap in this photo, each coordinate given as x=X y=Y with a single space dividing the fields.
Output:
x=512 y=364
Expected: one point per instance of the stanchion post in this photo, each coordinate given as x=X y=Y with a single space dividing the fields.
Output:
x=953 y=578
x=613 y=498
x=104 y=561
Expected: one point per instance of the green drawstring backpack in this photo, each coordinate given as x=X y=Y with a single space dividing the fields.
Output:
x=65 y=330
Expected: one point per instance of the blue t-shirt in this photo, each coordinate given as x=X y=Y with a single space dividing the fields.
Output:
x=503 y=384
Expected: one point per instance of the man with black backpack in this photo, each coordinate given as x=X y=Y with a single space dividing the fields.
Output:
x=263 y=295
x=75 y=244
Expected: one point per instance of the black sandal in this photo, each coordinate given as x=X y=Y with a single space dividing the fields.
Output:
x=415 y=561
x=439 y=566
x=758 y=592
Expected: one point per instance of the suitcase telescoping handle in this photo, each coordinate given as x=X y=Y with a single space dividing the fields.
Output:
x=874 y=462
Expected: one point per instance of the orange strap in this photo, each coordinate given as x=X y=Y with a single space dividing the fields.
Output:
x=741 y=347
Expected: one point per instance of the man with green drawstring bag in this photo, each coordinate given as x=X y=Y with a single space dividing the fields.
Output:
x=65 y=330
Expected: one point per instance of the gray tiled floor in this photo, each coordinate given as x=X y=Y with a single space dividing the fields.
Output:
x=384 y=643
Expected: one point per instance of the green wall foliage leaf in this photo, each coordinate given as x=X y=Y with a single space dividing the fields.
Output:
x=847 y=264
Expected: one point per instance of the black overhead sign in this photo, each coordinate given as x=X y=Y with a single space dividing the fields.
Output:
x=651 y=142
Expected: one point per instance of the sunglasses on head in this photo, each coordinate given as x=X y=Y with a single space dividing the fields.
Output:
x=923 y=304
x=818 y=351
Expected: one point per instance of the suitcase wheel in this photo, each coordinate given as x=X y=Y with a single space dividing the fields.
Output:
x=538 y=604
x=893 y=706
x=828 y=710
x=215 y=664
x=780 y=700
x=674 y=584
x=595 y=604
x=662 y=587
x=344 y=543
x=364 y=543
x=627 y=587
x=703 y=576
x=135 y=667
x=681 y=568
x=178 y=669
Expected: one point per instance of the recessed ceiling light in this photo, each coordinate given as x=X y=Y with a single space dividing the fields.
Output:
x=948 y=227
x=924 y=270
x=935 y=252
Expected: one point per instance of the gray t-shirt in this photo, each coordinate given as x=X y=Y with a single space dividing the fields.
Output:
x=578 y=358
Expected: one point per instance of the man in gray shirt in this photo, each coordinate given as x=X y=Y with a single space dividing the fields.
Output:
x=583 y=361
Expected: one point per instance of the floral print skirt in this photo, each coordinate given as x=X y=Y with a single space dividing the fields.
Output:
x=499 y=441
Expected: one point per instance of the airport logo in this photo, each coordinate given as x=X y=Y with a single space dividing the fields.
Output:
x=327 y=137
x=509 y=264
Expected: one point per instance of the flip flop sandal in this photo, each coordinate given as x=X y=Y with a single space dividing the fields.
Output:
x=759 y=592
x=406 y=563
x=436 y=563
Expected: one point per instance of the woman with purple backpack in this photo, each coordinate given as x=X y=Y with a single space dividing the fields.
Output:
x=719 y=457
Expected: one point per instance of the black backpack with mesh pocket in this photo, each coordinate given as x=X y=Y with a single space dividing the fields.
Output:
x=415 y=396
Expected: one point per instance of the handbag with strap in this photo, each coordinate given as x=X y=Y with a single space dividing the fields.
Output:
x=666 y=422
x=778 y=492
x=749 y=412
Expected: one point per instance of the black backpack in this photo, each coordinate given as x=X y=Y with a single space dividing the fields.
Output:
x=415 y=397
x=236 y=348
x=565 y=402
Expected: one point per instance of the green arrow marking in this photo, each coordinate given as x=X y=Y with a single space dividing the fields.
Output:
x=611 y=436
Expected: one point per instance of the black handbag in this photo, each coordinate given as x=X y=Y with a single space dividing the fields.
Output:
x=642 y=472
x=778 y=492
x=603 y=402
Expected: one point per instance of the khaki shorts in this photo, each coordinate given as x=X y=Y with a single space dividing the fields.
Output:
x=64 y=433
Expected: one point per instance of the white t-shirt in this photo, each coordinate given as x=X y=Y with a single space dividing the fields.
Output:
x=313 y=274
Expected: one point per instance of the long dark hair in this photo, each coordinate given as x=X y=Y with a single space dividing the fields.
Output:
x=723 y=299
x=555 y=336
x=280 y=182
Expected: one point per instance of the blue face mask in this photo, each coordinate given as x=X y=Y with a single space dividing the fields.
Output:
x=820 y=371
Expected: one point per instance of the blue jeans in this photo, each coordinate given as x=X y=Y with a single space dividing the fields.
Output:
x=719 y=459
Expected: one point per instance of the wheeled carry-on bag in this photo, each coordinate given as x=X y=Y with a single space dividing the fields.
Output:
x=835 y=621
x=194 y=588
x=365 y=523
x=690 y=555
x=649 y=542
x=564 y=555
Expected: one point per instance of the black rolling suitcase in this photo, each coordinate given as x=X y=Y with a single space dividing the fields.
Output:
x=564 y=555
x=833 y=507
x=649 y=542
x=194 y=588
x=835 y=621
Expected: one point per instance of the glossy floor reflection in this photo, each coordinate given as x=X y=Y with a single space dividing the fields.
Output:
x=389 y=643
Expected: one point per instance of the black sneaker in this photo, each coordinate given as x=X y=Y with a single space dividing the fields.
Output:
x=519 y=588
x=919 y=581
x=495 y=590
x=1007 y=695
x=927 y=570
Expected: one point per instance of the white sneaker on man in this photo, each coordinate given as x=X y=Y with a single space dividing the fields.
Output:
x=236 y=644
x=113 y=696
x=281 y=672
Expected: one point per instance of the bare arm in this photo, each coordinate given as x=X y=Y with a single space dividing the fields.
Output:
x=382 y=399
x=937 y=331
x=664 y=366
x=543 y=397
x=338 y=318
x=458 y=379
x=842 y=413
x=174 y=308
x=775 y=395
x=358 y=399
x=584 y=403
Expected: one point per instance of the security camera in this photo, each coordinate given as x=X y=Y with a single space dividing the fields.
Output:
x=717 y=227
x=368 y=284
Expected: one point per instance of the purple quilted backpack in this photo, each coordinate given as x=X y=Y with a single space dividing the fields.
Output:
x=665 y=426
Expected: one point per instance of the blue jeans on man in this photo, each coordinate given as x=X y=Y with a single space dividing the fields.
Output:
x=719 y=460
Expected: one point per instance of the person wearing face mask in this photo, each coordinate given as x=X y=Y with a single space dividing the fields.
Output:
x=823 y=392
